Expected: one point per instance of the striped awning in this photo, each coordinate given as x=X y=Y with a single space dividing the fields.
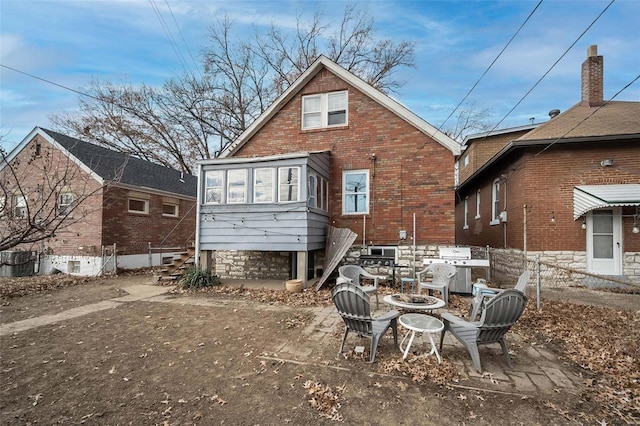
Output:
x=591 y=197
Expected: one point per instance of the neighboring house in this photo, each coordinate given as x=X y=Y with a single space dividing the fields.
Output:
x=118 y=201
x=567 y=189
x=332 y=151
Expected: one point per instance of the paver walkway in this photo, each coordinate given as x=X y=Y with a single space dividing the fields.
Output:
x=535 y=370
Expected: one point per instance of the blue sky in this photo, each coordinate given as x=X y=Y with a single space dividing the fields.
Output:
x=74 y=42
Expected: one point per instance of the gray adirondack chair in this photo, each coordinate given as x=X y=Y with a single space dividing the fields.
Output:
x=486 y=293
x=353 y=306
x=442 y=274
x=498 y=316
x=352 y=273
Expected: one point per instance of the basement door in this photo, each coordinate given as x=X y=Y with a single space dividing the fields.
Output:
x=604 y=242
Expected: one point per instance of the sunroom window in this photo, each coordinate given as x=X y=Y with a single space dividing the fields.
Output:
x=264 y=185
x=237 y=186
x=289 y=183
x=214 y=180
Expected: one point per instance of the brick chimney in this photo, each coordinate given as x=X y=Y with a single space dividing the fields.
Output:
x=592 y=77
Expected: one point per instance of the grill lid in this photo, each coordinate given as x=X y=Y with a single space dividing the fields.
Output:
x=455 y=252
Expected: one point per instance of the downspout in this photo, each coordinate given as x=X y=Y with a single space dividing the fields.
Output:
x=199 y=186
x=504 y=229
x=524 y=227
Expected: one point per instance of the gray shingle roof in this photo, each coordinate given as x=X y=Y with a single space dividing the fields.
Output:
x=109 y=164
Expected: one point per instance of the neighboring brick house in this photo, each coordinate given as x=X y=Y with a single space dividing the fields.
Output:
x=568 y=189
x=119 y=200
x=331 y=151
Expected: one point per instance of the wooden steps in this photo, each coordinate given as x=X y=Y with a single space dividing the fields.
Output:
x=172 y=272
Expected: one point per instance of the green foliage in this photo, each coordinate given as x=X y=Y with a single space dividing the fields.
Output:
x=195 y=277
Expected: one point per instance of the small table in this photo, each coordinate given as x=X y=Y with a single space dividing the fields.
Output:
x=391 y=300
x=420 y=323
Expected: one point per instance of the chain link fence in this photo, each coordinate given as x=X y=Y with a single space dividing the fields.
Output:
x=548 y=280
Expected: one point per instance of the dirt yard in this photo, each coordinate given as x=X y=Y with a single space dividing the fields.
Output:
x=159 y=363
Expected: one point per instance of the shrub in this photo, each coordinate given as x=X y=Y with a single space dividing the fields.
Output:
x=195 y=277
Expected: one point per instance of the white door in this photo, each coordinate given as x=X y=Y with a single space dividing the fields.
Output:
x=604 y=242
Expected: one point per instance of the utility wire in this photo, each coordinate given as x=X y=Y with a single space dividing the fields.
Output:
x=590 y=115
x=552 y=67
x=186 y=45
x=169 y=35
x=491 y=65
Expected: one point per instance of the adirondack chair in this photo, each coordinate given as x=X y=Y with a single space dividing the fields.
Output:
x=484 y=293
x=442 y=273
x=352 y=273
x=499 y=315
x=353 y=306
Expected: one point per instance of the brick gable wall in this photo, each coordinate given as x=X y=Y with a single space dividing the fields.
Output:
x=80 y=234
x=411 y=173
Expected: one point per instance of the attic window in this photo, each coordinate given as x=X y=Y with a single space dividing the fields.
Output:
x=324 y=110
x=38 y=149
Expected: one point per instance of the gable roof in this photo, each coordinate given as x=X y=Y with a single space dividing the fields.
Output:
x=382 y=99
x=106 y=165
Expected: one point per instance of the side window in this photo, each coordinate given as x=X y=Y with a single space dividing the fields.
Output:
x=289 y=184
x=478 y=204
x=355 y=192
x=19 y=206
x=237 y=186
x=214 y=180
x=65 y=201
x=324 y=110
x=264 y=185
x=495 y=202
x=3 y=206
x=466 y=213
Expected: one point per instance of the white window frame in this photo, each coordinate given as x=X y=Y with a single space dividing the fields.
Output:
x=465 y=161
x=312 y=190
x=19 y=206
x=62 y=207
x=145 y=204
x=237 y=180
x=495 y=202
x=325 y=110
x=466 y=213
x=176 y=209
x=269 y=189
x=289 y=186
x=477 y=205
x=3 y=206
x=383 y=251
x=218 y=188
x=346 y=194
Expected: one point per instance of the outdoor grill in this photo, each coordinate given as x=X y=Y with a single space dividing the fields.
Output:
x=461 y=258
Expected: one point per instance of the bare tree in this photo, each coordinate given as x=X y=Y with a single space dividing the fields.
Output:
x=40 y=195
x=196 y=116
x=469 y=119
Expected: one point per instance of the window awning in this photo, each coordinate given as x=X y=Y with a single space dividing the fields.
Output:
x=591 y=197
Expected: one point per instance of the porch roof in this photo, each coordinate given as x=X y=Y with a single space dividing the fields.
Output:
x=590 y=197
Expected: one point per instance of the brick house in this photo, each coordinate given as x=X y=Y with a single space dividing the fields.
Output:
x=331 y=151
x=567 y=189
x=119 y=201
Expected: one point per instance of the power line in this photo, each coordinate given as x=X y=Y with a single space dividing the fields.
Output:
x=186 y=45
x=590 y=115
x=169 y=35
x=552 y=66
x=491 y=65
